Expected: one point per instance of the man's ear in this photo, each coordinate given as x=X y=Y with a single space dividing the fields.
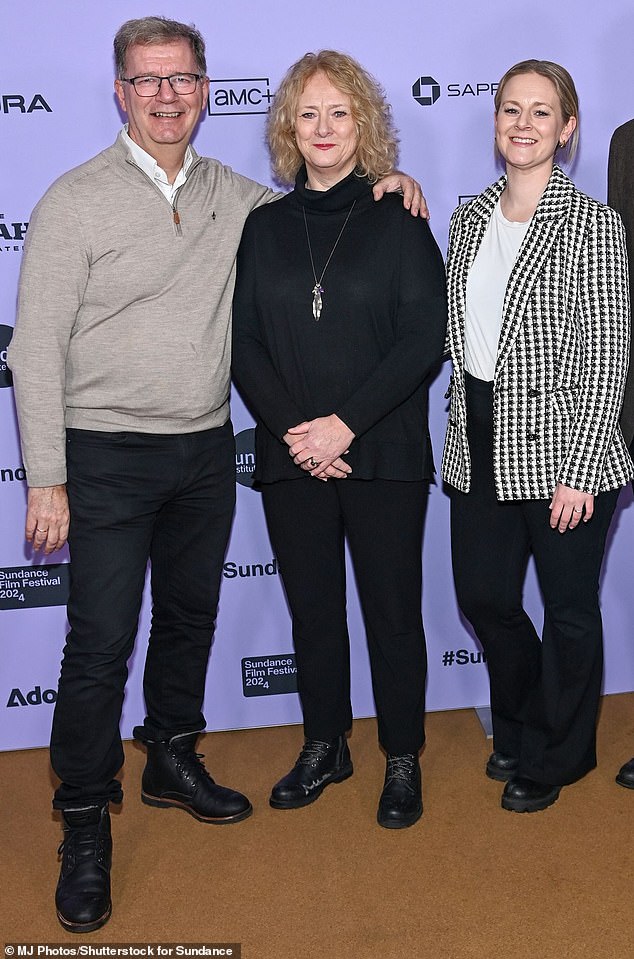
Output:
x=120 y=92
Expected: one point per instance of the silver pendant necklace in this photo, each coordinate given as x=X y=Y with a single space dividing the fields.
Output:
x=318 y=289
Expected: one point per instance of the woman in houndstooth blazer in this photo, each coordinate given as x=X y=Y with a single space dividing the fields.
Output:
x=539 y=335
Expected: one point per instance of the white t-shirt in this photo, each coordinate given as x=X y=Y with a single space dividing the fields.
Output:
x=486 y=289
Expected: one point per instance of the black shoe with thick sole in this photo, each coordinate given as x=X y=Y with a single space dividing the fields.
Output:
x=174 y=776
x=318 y=765
x=401 y=802
x=625 y=776
x=501 y=767
x=525 y=795
x=82 y=897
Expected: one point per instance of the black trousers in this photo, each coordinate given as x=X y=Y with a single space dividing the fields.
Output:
x=133 y=498
x=383 y=521
x=544 y=695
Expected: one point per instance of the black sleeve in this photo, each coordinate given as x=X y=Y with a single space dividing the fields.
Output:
x=616 y=177
x=421 y=325
x=251 y=365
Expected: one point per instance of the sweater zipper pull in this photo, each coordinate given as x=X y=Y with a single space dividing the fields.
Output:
x=177 y=221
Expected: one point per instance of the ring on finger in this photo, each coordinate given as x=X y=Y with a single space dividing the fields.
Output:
x=313 y=463
x=577 y=509
x=38 y=530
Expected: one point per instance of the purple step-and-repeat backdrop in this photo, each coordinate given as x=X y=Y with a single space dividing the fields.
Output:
x=439 y=63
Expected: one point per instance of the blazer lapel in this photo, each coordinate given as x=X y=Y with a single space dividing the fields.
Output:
x=466 y=246
x=548 y=219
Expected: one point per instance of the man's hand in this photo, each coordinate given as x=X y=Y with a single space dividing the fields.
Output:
x=397 y=182
x=569 y=507
x=47 y=517
x=319 y=444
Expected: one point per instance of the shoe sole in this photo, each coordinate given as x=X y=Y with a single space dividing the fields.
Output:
x=345 y=773
x=85 y=926
x=524 y=805
x=400 y=824
x=626 y=783
x=213 y=820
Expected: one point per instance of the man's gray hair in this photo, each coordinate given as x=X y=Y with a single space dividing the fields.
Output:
x=149 y=30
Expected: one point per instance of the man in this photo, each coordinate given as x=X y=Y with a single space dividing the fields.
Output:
x=621 y=198
x=121 y=369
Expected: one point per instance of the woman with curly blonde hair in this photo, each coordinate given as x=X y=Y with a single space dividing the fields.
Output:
x=339 y=317
x=377 y=145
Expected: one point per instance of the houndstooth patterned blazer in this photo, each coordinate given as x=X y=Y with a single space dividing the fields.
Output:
x=562 y=353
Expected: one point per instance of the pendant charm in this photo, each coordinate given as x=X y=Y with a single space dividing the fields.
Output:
x=317 y=291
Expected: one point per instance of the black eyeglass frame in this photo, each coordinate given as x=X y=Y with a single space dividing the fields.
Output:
x=195 y=76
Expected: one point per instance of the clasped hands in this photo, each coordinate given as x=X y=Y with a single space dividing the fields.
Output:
x=318 y=445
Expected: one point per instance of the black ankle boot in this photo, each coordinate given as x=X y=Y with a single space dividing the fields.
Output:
x=83 y=891
x=501 y=766
x=625 y=776
x=318 y=765
x=525 y=795
x=401 y=802
x=175 y=776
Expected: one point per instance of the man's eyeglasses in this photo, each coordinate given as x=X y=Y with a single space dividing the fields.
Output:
x=181 y=83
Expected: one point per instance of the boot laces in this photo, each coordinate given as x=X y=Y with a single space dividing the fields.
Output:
x=82 y=842
x=313 y=751
x=192 y=766
x=401 y=768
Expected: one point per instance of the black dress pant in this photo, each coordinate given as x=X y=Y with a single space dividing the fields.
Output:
x=383 y=521
x=136 y=497
x=544 y=695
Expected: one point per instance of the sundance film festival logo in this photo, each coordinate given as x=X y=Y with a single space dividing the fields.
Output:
x=427 y=90
x=269 y=675
x=239 y=96
x=18 y=103
x=6 y=332
x=12 y=235
x=28 y=587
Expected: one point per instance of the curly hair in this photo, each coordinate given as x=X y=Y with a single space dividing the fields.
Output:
x=564 y=86
x=148 y=30
x=378 y=143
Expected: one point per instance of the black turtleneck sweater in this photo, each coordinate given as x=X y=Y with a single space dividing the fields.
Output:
x=381 y=330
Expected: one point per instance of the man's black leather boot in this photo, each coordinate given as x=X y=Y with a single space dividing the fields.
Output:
x=175 y=776
x=83 y=891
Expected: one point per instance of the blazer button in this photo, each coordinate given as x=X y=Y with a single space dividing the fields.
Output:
x=531 y=437
x=452 y=422
x=533 y=392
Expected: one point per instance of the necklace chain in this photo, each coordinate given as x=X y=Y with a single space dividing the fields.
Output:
x=318 y=289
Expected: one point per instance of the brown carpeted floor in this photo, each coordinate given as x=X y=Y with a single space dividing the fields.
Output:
x=469 y=881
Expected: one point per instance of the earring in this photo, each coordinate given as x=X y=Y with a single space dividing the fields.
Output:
x=562 y=144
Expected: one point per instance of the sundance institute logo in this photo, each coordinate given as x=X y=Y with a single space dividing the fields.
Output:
x=245 y=457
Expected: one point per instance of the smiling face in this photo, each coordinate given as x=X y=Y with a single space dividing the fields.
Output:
x=325 y=132
x=166 y=119
x=529 y=125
